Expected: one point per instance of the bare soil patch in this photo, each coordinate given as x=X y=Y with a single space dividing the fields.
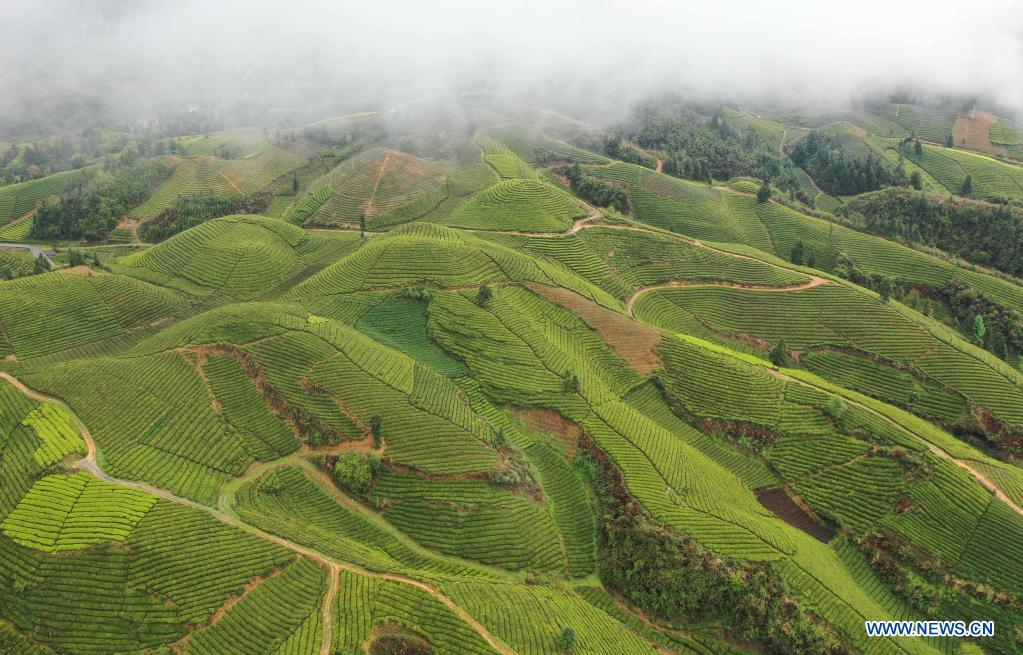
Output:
x=972 y=130
x=82 y=269
x=781 y=505
x=541 y=419
x=631 y=340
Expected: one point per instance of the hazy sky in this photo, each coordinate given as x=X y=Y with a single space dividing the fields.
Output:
x=159 y=53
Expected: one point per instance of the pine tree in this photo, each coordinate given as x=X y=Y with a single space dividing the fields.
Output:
x=484 y=295
x=797 y=253
x=566 y=641
x=779 y=355
x=764 y=193
x=979 y=328
x=885 y=287
x=968 y=185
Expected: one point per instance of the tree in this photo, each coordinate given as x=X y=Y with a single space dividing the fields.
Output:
x=918 y=148
x=967 y=185
x=916 y=181
x=797 y=253
x=352 y=471
x=128 y=155
x=41 y=264
x=996 y=343
x=949 y=143
x=567 y=640
x=76 y=257
x=979 y=328
x=764 y=192
x=836 y=409
x=294 y=184
x=779 y=355
x=362 y=227
x=885 y=287
x=570 y=382
x=484 y=295
x=575 y=173
x=375 y=425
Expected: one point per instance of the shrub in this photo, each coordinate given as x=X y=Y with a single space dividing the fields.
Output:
x=353 y=472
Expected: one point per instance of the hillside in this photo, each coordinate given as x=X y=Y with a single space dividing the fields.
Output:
x=440 y=400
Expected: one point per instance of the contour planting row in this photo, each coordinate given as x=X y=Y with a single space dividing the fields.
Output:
x=375 y=182
x=835 y=315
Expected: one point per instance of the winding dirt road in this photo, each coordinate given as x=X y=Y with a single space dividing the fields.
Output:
x=90 y=463
x=640 y=290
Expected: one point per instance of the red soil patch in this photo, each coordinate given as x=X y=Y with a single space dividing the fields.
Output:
x=540 y=419
x=972 y=130
x=634 y=342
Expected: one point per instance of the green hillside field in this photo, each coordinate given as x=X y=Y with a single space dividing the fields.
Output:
x=440 y=402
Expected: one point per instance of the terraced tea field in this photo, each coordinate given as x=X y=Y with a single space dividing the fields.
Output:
x=468 y=412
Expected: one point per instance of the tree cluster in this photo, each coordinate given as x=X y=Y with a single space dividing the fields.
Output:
x=672 y=577
x=980 y=232
x=598 y=192
x=704 y=150
x=90 y=211
x=836 y=171
x=354 y=471
x=987 y=322
x=191 y=210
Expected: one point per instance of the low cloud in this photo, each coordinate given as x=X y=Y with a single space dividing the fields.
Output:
x=599 y=56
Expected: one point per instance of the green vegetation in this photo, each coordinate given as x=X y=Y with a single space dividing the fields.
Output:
x=92 y=211
x=822 y=156
x=527 y=205
x=978 y=232
x=518 y=392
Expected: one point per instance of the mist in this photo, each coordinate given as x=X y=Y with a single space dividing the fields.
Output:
x=71 y=62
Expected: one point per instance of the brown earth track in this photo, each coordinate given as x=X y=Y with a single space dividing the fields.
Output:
x=814 y=282
x=90 y=463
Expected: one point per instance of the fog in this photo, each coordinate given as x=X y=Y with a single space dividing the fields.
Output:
x=69 y=61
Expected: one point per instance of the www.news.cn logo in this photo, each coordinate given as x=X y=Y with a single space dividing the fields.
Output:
x=930 y=628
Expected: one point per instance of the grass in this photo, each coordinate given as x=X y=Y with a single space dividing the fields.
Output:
x=58 y=312
x=228 y=363
x=236 y=144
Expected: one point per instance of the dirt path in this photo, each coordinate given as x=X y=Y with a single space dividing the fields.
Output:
x=328 y=610
x=376 y=184
x=814 y=282
x=234 y=185
x=90 y=463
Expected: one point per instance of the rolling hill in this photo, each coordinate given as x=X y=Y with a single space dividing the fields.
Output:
x=445 y=404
